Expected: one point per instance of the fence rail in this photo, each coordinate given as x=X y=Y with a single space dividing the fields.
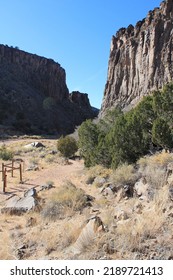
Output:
x=10 y=167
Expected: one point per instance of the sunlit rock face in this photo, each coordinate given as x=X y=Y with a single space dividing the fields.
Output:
x=141 y=58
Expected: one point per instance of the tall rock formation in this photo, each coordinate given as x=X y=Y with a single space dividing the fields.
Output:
x=141 y=59
x=34 y=96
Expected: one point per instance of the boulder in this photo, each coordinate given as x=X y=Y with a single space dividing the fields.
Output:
x=99 y=181
x=34 y=145
x=88 y=234
x=16 y=205
x=141 y=188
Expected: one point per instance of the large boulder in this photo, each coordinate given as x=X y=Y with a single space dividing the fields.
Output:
x=34 y=145
x=88 y=235
x=16 y=205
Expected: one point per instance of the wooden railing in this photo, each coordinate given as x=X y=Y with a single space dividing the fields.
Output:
x=15 y=164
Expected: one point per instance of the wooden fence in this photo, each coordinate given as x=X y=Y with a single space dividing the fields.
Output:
x=10 y=167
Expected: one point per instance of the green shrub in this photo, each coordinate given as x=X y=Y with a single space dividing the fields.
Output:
x=5 y=154
x=67 y=146
x=121 y=138
x=88 y=140
x=162 y=134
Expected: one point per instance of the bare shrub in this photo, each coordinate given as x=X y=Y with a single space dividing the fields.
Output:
x=50 y=158
x=124 y=174
x=153 y=168
x=54 y=211
x=155 y=176
x=71 y=196
x=6 y=154
x=66 y=200
x=159 y=159
x=99 y=170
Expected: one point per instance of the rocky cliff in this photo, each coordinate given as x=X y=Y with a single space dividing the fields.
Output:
x=34 y=96
x=141 y=58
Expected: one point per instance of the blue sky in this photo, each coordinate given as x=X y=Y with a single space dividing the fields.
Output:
x=75 y=33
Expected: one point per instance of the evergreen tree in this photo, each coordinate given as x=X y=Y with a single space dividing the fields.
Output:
x=162 y=134
x=88 y=141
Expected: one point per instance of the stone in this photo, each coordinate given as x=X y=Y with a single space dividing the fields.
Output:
x=108 y=192
x=32 y=167
x=30 y=193
x=171 y=193
x=34 y=145
x=99 y=181
x=46 y=187
x=88 y=235
x=141 y=188
x=17 y=205
x=140 y=59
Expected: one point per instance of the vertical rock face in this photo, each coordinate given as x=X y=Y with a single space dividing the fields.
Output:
x=141 y=58
x=44 y=74
x=34 y=97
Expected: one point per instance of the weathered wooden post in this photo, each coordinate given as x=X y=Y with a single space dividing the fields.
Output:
x=20 y=173
x=2 y=171
x=5 y=180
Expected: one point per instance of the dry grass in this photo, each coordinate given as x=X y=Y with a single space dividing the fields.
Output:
x=99 y=170
x=159 y=160
x=64 y=202
x=9 y=224
x=133 y=233
x=53 y=231
x=153 y=168
x=124 y=174
x=51 y=158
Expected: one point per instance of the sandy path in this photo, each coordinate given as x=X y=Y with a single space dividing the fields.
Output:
x=54 y=172
x=59 y=173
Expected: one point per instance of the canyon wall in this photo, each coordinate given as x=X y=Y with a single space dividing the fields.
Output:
x=141 y=59
x=34 y=97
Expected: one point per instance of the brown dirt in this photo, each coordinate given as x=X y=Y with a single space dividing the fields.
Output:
x=58 y=173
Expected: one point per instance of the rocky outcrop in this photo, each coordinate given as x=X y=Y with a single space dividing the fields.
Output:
x=17 y=206
x=141 y=58
x=34 y=97
x=81 y=99
x=45 y=75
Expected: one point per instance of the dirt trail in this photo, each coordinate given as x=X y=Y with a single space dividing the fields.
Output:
x=54 y=172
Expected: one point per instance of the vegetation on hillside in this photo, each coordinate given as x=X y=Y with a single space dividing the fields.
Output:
x=125 y=137
x=67 y=146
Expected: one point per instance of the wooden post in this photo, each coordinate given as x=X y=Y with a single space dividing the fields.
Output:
x=20 y=173
x=2 y=171
x=5 y=180
x=12 y=166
